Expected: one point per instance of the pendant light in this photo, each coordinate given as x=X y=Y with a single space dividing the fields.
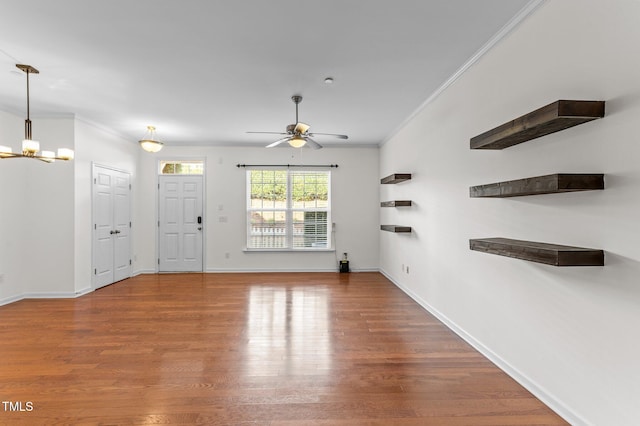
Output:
x=148 y=142
x=30 y=148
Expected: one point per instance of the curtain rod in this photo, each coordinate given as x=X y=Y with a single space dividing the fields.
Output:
x=332 y=166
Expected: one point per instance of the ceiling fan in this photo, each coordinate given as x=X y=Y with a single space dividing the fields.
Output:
x=297 y=135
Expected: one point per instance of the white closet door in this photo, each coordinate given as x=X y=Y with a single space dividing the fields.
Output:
x=112 y=226
x=122 y=226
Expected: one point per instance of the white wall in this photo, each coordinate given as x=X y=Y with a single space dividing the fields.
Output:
x=354 y=201
x=569 y=334
x=12 y=205
x=95 y=145
x=37 y=213
x=49 y=213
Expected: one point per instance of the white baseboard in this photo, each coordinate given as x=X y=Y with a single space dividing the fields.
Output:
x=143 y=271
x=46 y=295
x=537 y=390
x=51 y=295
x=10 y=299
x=83 y=291
x=274 y=270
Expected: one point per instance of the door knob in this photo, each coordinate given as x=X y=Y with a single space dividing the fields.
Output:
x=199 y=228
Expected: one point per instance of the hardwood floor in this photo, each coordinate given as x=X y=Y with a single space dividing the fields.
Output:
x=234 y=349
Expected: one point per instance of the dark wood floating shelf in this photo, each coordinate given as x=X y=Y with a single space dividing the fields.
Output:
x=396 y=203
x=549 y=119
x=396 y=178
x=395 y=228
x=550 y=254
x=548 y=184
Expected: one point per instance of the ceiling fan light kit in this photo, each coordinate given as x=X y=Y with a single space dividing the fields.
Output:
x=297 y=135
x=297 y=142
x=30 y=148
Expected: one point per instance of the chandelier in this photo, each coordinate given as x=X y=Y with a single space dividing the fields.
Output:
x=31 y=148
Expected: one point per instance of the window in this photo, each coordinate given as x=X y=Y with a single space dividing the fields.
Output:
x=288 y=209
x=181 y=167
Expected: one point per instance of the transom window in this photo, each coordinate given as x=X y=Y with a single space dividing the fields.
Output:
x=288 y=209
x=192 y=167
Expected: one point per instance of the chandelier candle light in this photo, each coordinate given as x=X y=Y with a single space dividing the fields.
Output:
x=30 y=148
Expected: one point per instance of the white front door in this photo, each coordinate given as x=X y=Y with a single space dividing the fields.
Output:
x=180 y=225
x=112 y=225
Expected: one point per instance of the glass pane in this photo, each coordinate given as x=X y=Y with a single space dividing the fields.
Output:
x=268 y=189
x=181 y=167
x=310 y=189
x=256 y=196
x=267 y=229
x=310 y=229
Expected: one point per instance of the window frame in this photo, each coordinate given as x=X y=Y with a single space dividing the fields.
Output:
x=289 y=211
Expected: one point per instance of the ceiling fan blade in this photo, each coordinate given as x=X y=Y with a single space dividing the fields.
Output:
x=313 y=144
x=278 y=142
x=270 y=133
x=330 y=134
x=301 y=128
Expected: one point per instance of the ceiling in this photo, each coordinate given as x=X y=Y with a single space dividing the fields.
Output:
x=204 y=72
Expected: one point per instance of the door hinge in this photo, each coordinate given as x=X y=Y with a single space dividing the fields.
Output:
x=158 y=261
x=95 y=181
x=95 y=271
x=158 y=224
x=158 y=186
x=129 y=261
x=129 y=187
x=129 y=224
x=95 y=226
